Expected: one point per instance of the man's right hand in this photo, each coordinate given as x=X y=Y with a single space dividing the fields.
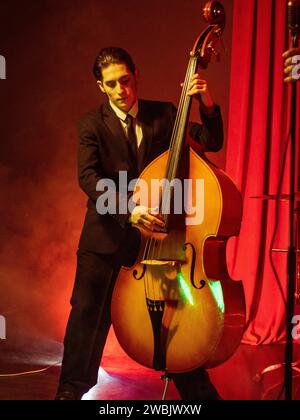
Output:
x=144 y=217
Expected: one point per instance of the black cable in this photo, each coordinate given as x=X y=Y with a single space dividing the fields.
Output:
x=276 y=224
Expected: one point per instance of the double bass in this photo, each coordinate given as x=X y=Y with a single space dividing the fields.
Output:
x=176 y=308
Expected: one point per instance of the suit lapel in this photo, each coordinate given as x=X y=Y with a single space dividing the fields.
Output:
x=147 y=123
x=113 y=124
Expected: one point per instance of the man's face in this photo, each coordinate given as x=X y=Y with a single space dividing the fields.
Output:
x=119 y=84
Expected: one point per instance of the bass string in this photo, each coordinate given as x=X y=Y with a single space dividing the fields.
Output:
x=175 y=143
x=178 y=131
x=146 y=285
x=149 y=280
x=177 y=139
x=189 y=72
x=175 y=149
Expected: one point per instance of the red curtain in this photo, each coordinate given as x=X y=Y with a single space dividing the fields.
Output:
x=257 y=133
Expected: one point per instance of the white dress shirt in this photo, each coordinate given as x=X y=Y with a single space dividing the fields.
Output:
x=136 y=123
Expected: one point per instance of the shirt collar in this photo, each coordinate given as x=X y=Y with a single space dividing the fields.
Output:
x=121 y=114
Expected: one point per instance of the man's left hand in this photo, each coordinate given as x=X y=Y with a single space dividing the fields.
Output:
x=199 y=90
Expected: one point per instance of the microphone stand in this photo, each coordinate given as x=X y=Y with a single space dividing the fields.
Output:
x=291 y=275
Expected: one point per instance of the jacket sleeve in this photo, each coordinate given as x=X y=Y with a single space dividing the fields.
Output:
x=89 y=173
x=210 y=133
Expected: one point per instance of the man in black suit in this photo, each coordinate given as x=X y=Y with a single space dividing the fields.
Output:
x=124 y=134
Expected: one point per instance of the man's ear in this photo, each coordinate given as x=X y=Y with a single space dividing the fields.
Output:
x=100 y=84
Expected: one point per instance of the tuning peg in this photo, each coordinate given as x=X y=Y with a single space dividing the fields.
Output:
x=213 y=51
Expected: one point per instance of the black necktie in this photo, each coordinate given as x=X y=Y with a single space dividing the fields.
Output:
x=131 y=135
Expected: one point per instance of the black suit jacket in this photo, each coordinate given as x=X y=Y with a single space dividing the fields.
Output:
x=103 y=152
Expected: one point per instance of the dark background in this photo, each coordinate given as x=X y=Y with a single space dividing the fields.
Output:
x=49 y=48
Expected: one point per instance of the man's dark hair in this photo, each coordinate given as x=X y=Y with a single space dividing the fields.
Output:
x=111 y=55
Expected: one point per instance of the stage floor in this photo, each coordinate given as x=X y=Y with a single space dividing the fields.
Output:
x=120 y=378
